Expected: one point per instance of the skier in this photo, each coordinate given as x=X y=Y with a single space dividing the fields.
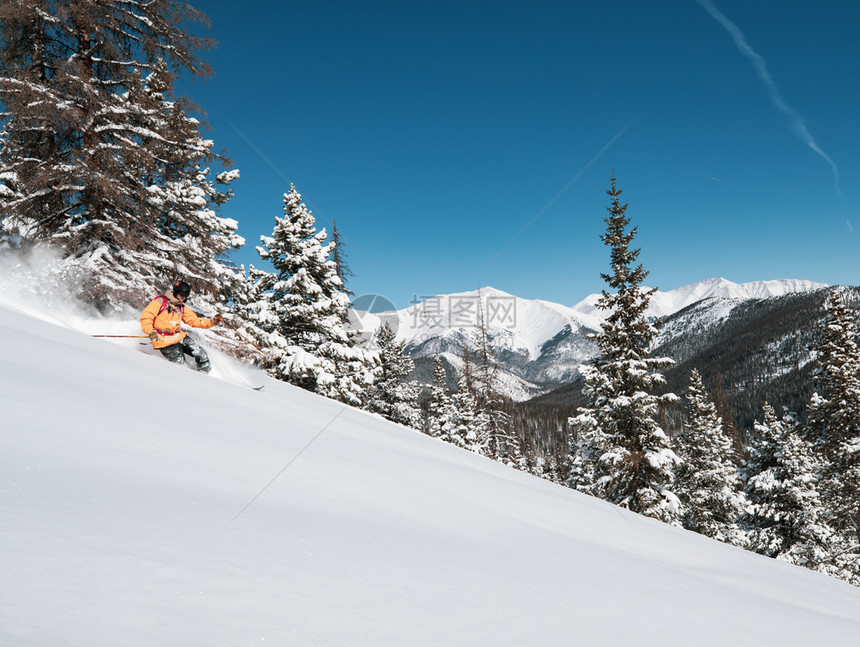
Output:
x=161 y=320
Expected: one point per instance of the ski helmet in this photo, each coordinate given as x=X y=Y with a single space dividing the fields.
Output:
x=181 y=289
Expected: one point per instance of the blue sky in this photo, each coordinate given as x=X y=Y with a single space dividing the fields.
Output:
x=464 y=144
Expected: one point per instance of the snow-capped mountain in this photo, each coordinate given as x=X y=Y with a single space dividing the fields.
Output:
x=664 y=304
x=536 y=342
x=523 y=325
x=539 y=345
x=758 y=350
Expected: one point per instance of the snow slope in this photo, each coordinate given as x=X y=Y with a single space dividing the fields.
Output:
x=145 y=504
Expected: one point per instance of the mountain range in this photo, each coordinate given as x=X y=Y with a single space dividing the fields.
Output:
x=539 y=345
x=664 y=304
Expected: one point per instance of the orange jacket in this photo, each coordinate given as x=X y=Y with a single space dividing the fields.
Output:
x=167 y=323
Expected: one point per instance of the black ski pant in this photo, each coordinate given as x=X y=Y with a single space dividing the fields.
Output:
x=176 y=353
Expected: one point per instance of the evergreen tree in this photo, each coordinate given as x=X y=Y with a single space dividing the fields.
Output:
x=439 y=407
x=391 y=395
x=456 y=417
x=785 y=519
x=707 y=481
x=834 y=419
x=549 y=469
x=586 y=441
x=255 y=315
x=626 y=456
x=95 y=160
x=502 y=443
x=465 y=424
x=338 y=255
x=302 y=319
x=184 y=196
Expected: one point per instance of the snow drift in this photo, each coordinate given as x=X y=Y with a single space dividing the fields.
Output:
x=146 y=504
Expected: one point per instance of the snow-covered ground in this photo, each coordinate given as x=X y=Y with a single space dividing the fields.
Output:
x=145 y=504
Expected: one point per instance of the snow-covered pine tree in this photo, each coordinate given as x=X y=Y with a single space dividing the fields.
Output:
x=312 y=346
x=707 y=481
x=185 y=194
x=391 y=395
x=502 y=445
x=626 y=457
x=251 y=310
x=466 y=425
x=585 y=439
x=87 y=142
x=439 y=406
x=456 y=417
x=784 y=518
x=834 y=420
x=550 y=469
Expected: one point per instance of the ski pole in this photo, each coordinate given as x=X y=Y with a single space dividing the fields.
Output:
x=248 y=340
x=236 y=330
x=124 y=336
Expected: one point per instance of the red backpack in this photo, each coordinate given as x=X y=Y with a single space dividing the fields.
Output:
x=164 y=304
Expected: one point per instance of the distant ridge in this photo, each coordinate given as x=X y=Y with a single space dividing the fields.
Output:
x=664 y=304
x=539 y=345
x=524 y=324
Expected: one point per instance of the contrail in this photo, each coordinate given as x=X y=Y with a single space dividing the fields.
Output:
x=760 y=65
x=710 y=177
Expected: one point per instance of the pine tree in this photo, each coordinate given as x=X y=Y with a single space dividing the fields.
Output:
x=465 y=425
x=88 y=141
x=707 y=481
x=439 y=407
x=834 y=418
x=502 y=444
x=625 y=456
x=303 y=319
x=255 y=315
x=785 y=520
x=184 y=196
x=391 y=395
x=456 y=417
x=338 y=255
x=585 y=440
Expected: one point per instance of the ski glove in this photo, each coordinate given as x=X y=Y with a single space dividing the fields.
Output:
x=217 y=319
x=153 y=336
